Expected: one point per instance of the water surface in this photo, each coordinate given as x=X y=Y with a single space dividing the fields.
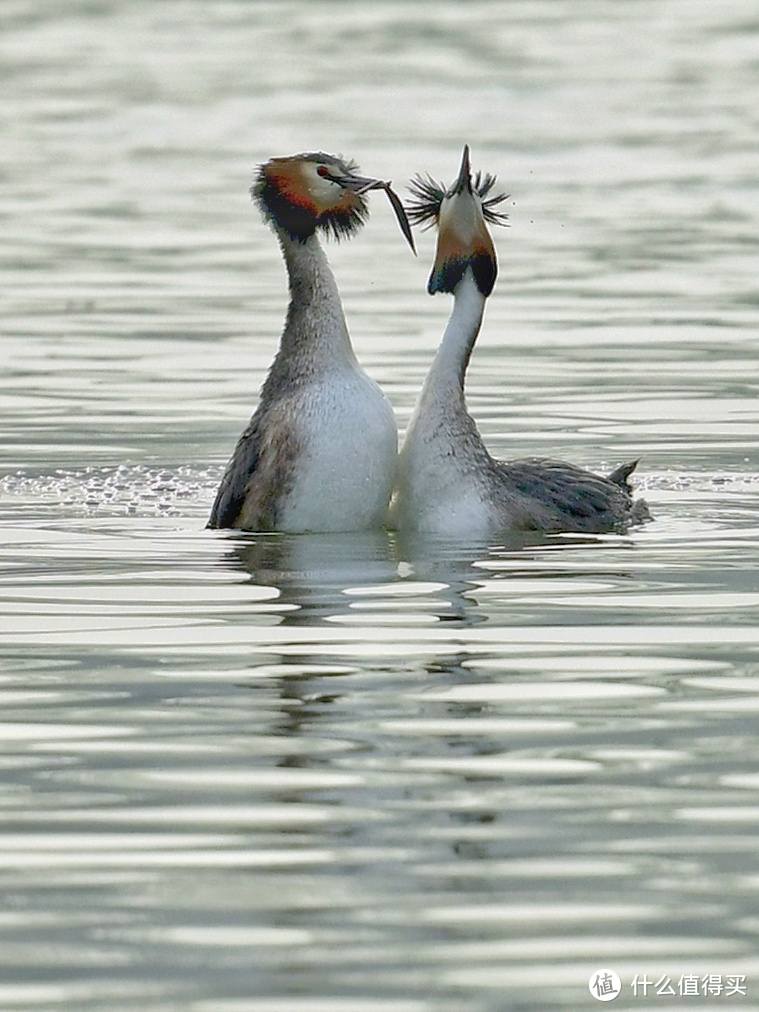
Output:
x=361 y=772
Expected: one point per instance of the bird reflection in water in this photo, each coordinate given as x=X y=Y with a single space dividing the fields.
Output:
x=339 y=577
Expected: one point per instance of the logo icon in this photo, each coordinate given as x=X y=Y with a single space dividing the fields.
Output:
x=604 y=985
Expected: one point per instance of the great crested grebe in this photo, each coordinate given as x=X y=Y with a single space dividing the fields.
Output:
x=320 y=452
x=448 y=483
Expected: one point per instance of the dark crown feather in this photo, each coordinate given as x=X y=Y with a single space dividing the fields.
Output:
x=300 y=223
x=427 y=195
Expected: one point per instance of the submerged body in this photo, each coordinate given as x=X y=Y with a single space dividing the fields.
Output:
x=448 y=483
x=320 y=451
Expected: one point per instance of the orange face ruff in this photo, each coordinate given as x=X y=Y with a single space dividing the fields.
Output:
x=295 y=196
x=463 y=241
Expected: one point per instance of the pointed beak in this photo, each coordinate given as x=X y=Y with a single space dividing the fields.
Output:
x=359 y=184
x=463 y=183
x=362 y=184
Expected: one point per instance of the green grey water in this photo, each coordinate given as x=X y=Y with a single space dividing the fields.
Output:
x=360 y=773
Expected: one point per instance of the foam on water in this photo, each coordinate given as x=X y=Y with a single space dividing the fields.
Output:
x=122 y=490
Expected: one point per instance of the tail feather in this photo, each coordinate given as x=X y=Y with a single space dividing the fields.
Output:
x=620 y=474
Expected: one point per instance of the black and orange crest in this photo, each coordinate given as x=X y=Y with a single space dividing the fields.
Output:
x=451 y=271
x=342 y=223
x=298 y=221
x=293 y=212
x=427 y=195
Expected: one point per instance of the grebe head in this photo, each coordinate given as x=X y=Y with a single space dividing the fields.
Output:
x=461 y=214
x=310 y=191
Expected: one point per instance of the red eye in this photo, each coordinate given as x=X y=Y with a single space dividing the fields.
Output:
x=323 y=171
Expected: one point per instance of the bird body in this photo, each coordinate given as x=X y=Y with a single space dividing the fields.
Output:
x=320 y=451
x=448 y=483
x=310 y=451
x=337 y=485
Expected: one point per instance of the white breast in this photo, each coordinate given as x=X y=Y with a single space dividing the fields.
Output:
x=437 y=491
x=345 y=474
x=442 y=502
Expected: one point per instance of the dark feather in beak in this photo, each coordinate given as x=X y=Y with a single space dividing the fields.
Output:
x=362 y=184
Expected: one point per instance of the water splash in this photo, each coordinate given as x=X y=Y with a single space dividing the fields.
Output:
x=124 y=490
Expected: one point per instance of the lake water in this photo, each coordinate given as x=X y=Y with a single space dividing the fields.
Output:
x=359 y=773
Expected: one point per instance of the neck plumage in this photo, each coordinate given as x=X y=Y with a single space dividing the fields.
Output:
x=448 y=370
x=315 y=337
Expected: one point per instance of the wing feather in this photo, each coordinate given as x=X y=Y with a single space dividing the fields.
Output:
x=568 y=490
x=240 y=470
x=258 y=475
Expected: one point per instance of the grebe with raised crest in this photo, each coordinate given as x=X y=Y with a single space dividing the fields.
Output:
x=448 y=483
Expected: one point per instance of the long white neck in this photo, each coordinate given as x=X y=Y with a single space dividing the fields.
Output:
x=446 y=376
x=443 y=448
x=315 y=337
